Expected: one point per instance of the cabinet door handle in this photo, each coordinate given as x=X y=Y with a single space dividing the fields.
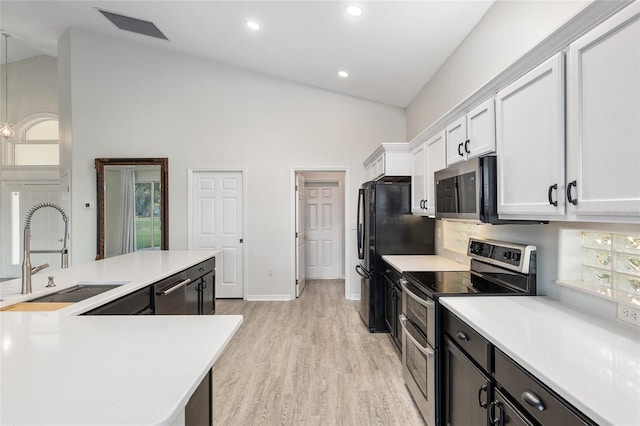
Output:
x=572 y=200
x=460 y=149
x=549 y=195
x=466 y=146
x=174 y=288
x=498 y=421
x=422 y=204
x=461 y=336
x=533 y=400
x=484 y=389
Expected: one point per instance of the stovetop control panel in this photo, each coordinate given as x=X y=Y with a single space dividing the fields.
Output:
x=507 y=255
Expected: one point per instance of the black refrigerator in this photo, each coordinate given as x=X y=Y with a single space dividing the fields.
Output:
x=386 y=227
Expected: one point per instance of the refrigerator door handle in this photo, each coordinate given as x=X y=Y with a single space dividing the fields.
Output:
x=360 y=223
x=363 y=272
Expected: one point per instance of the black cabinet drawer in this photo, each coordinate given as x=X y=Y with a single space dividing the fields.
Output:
x=537 y=400
x=136 y=303
x=392 y=273
x=201 y=269
x=476 y=346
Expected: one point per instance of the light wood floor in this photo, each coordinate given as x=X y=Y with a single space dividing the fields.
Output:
x=309 y=362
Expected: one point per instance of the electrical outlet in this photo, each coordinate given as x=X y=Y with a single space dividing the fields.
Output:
x=629 y=315
x=270 y=272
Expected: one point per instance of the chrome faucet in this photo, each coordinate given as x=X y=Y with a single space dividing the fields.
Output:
x=27 y=270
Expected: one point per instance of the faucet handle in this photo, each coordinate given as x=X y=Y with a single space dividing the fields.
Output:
x=51 y=283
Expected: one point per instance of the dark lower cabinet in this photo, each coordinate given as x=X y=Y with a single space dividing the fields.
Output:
x=188 y=292
x=480 y=385
x=208 y=285
x=503 y=413
x=136 y=303
x=199 y=409
x=467 y=389
x=393 y=304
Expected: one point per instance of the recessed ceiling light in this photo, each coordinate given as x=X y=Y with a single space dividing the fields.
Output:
x=343 y=74
x=353 y=10
x=253 y=25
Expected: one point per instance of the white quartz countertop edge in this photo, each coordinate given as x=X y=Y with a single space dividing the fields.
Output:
x=137 y=270
x=592 y=363
x=419 y=263
x=134 y=370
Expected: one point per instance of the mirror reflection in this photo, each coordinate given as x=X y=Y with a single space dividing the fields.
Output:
x=132 y=200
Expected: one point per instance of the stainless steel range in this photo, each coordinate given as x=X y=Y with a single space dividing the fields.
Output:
x=497 y=268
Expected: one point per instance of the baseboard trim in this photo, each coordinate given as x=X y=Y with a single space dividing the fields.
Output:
x=268 y=298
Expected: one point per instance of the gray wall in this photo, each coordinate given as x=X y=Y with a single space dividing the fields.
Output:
x=505 y=33
x=123 y=99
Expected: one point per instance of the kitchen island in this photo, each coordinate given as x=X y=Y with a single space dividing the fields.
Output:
x=61 y=368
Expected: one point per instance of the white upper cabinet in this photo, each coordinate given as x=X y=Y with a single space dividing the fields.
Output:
x=603 y=147
x=418 y=179
x=390 y=159
x=530 y=143
x=426 y=159
x=472 y=135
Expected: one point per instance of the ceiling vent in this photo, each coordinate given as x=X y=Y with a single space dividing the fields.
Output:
x=134 y=25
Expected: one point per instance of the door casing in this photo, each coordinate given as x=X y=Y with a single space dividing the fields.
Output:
x=347 y=227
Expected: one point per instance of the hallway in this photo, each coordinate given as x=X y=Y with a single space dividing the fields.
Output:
x=309 y=361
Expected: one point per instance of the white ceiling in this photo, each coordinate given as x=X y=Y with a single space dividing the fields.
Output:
x=390 y=52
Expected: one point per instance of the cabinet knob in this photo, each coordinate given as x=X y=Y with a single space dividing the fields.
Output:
x=462 y=336
x=533 y=400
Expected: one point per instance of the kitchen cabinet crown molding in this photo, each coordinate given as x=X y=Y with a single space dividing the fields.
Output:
x=386 y=147
x=585 y=20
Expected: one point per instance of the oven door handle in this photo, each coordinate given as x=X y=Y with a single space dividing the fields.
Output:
x=428 y=352
x=429 y=304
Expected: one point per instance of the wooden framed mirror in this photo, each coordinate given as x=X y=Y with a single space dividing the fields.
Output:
x=133 y=205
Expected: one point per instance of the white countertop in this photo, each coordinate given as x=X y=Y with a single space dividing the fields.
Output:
x=416 y=263
x=63 y=369
x=105 y=370
x=592 y=363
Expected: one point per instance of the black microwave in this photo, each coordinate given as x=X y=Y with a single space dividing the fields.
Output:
x=467 y=191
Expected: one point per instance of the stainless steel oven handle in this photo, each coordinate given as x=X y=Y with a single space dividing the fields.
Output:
x=429 y=304
x=174 y=288
x=428 y=352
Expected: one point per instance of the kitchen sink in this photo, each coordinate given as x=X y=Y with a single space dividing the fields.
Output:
x=78 y=292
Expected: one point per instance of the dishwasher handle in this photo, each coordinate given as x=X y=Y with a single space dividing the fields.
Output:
x=174 y=288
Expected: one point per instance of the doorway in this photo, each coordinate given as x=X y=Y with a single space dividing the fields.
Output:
x=216 y=222
x=320 y=209
x=47 y=227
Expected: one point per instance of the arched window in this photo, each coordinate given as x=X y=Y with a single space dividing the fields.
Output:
x=36 y=142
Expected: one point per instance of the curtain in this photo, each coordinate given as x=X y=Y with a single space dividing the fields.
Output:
x=128 y=191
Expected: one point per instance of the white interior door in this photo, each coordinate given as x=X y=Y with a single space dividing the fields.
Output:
x=217 y=224
x=323 y=230
x=300 y=235
x=47 y=226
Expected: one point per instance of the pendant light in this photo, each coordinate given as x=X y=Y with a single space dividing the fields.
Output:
x=6 y=128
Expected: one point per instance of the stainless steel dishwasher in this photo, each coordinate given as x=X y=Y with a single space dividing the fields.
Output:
x=171 y=296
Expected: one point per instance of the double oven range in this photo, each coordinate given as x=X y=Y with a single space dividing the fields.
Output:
x=497 y=268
